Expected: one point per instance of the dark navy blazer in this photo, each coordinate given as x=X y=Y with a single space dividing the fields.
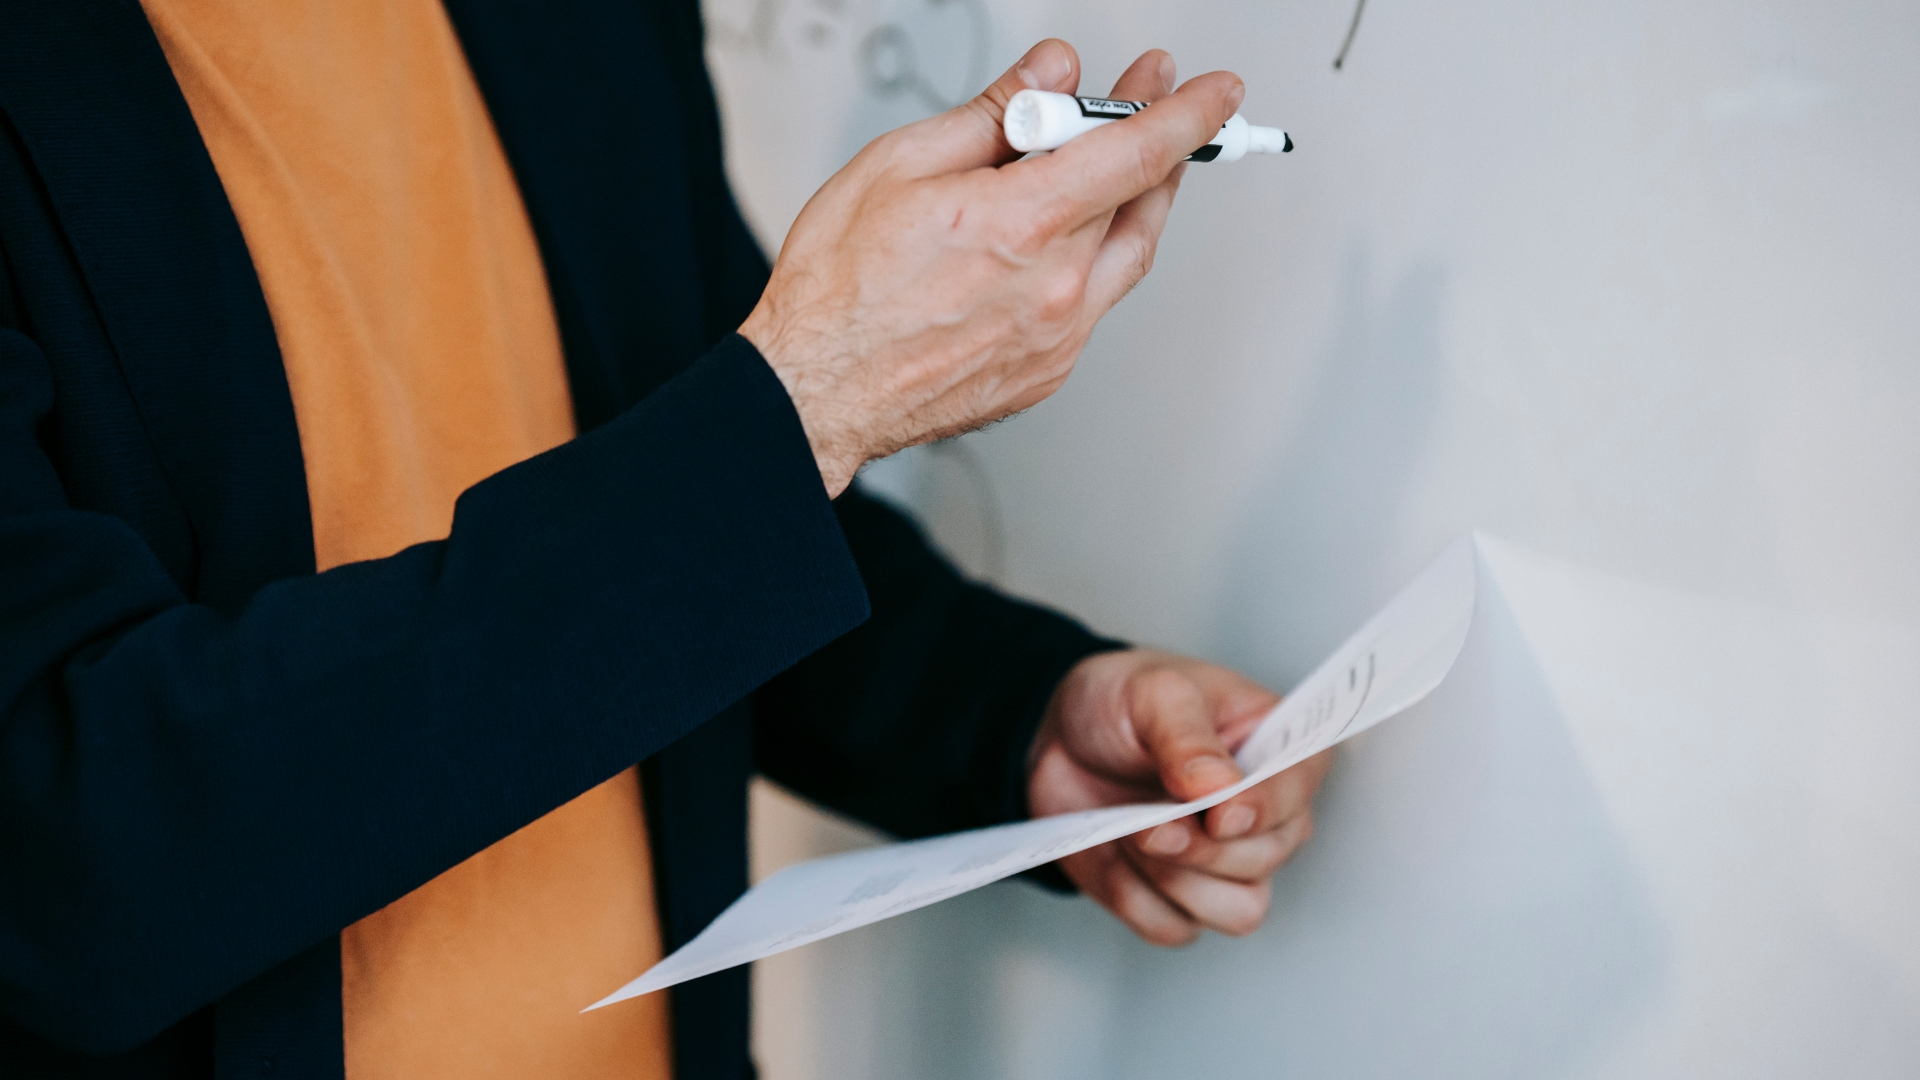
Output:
x=212 y=759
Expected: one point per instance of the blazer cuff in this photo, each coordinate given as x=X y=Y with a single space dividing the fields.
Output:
x=1033 y=713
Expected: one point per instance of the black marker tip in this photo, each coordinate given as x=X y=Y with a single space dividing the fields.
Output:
x=1287 y=147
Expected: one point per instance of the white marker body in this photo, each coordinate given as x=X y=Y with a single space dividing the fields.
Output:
x=1040 y=120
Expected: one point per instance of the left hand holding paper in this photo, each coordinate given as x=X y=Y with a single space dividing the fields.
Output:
x=1142 y=726
x=1109 y=747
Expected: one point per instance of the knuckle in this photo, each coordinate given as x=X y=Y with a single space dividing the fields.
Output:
x=1297 y=833
x=1032 y=227
x=1117 y=881
x=1137 y=905
x=1139 y=261
x=1303 y=832
x=1131 y=903
x=1271 y=858
x=1055 y=215
x=987 y=107
x=1273 y=806
x=1061 y=296
x=1020 y=236
x=1247 y=912
x=1164 y=684
x=1286 y=796
x=885 y=150
x=1150 y=163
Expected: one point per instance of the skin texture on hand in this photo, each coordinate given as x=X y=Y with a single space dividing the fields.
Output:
x=937 y=283
x=1141 y=725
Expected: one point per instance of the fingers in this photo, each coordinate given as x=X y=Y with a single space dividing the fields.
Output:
x=1117 y=162
x=1218 y=886
x=1106 y=875
x=1271 y=804
x=1175 y=720
x=1231 y=907
x=1149 y=78
x=1248 y=859
x=1127 y=251
x=970 y=136
x=1171 y=719
x=1164 y=903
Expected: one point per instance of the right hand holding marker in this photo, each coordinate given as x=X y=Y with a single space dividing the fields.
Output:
x=936 y=284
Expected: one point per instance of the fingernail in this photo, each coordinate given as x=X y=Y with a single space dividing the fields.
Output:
x=1235 y=822
x=1212 y=769
x=1168 y=839
x=1045 y=66
x=1235 y=96
x=1167 y=73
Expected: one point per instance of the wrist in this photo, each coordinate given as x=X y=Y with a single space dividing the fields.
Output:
x=837 y=449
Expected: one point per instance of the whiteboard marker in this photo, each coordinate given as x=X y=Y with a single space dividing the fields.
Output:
x=1040 y=120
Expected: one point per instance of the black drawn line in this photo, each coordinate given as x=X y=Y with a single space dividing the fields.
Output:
x=986 y=500
x=1358 y=705
x=1352 y=28
x=892 y=68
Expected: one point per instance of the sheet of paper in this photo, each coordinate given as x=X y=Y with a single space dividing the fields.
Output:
x=1396 y=659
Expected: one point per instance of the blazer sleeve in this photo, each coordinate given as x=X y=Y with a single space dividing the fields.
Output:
x=187 y=799
x=920 y=720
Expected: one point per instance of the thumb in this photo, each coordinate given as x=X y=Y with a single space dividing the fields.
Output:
x=1173 y=722
x=970 y=136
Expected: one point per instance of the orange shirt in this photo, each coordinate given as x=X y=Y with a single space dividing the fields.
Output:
x=413 y=317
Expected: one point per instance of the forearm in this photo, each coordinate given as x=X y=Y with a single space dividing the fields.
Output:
x=170 y=774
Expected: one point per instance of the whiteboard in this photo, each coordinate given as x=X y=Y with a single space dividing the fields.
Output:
x=1628 y=284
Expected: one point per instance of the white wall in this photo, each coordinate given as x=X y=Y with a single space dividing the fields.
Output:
x=1631 y=284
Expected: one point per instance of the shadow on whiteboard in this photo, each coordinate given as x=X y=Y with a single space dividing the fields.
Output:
x=1465 y=911
x=1340 y=483
x=1634 y=831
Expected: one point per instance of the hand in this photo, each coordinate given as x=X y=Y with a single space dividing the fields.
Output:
x=1140 y=725
x=936 y=284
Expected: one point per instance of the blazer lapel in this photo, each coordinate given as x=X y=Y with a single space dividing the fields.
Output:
x=90 y=93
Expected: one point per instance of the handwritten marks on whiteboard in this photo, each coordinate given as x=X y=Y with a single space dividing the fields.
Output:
x=891 y=61
x=1353 y=28
x=934 y=52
